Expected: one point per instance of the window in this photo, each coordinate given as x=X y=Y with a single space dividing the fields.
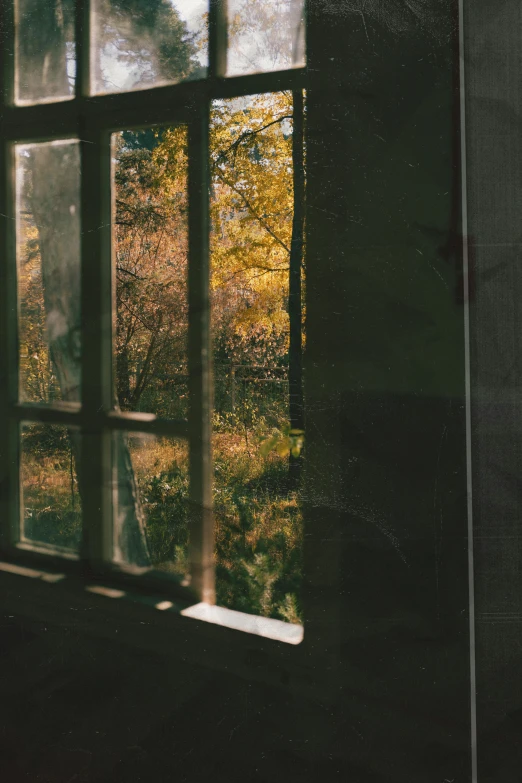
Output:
x=83 y=82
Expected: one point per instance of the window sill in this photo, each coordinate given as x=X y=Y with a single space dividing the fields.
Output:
x=265 y=627
x=259 y=648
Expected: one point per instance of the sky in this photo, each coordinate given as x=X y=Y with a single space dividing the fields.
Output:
x=191 y=11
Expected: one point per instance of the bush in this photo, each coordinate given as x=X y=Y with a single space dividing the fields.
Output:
x=166 y=498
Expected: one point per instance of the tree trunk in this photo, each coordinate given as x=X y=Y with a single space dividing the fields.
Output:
x=123 y=377
x=295 y=354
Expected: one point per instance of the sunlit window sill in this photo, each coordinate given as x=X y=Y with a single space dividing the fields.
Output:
x=264 y=627
x=239 y=621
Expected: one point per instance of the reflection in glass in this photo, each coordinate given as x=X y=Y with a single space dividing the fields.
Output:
x=150 y=490
x=151 y=246
x=48 y=256
x=45 y=64
x=264 y=36
x=51 y=501
x=146 y=43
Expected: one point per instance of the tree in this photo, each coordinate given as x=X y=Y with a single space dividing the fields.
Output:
x=251 y=211
x=257 y=206
x=258 y=215
x=151 y=264
x=257 y=236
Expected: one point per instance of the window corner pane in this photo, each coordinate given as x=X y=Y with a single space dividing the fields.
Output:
x=265 y=36
x=45 y=55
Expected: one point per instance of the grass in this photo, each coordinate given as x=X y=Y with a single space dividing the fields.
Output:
x=50 y=497
x=258 y=528
x=258 y=523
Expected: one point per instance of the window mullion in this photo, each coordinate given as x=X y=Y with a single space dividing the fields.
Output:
x=217 y=39
x=201 y=551
x=97 y=292
x=83 y=39
x=9 y=429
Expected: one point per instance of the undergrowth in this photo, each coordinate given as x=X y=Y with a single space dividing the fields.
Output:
x=258 y=525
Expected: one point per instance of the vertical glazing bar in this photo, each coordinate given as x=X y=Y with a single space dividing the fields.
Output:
x=95 y=473
x=9 y=433
x=217 y=38
x=7 y=58
x=82 y=39
x=201 y=521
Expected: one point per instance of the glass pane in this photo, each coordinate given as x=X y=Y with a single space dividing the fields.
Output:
x=265 y=36
x=48 y=256
x=50 y=494
x=256 y=491
x=45 y=64
x=146 y=43
x=151 y=488
x=151 y=246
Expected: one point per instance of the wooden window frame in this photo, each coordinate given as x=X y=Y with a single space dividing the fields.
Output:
x=92 y=119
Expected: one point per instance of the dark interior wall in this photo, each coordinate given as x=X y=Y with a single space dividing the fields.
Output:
x=386 y=506
x=385 y=380
x=494 y=155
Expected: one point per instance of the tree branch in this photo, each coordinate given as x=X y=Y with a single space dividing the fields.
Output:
x=128 y=272
x=253 y=211
x=235 y=144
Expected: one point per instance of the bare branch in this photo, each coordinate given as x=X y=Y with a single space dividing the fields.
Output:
x=128 y=272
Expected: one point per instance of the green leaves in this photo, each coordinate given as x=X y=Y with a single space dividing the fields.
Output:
x=284 y=441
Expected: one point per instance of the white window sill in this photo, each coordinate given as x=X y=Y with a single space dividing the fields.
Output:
x=248 y=623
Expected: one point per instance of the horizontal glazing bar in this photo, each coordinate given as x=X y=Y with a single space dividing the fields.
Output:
x=171 y=104
x=72 y=414
x=59 y=413
x=147 y=423
x=43 y=122
x=236 y=86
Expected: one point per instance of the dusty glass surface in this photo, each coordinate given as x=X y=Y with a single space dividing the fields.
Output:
x=265 y=36
x=45 y=59
x=150 y=489
x=51 y=504
x=48 y=263
x=151 y=257
x=145 y=43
